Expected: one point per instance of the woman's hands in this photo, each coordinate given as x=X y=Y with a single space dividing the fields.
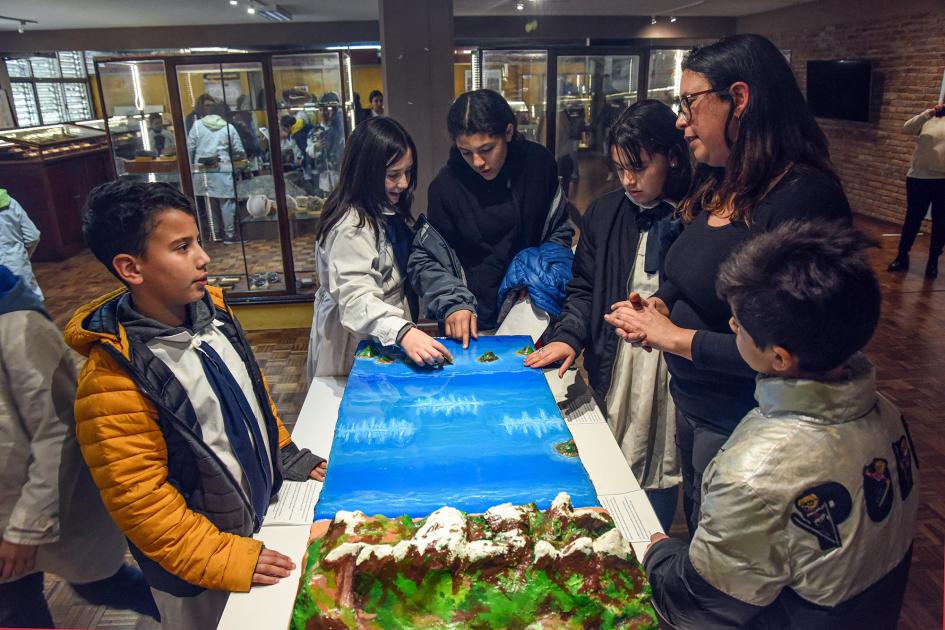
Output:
x=551 y=353
x=461 y=325
x=646 y=321
x=424 y=349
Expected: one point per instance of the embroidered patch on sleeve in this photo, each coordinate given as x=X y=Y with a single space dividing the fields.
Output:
x=820 y=510
x=903 y=452
x=877 y=489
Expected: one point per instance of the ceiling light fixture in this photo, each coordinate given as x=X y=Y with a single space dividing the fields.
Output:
x=20 y=22
x=652 y=19
x=672 y=18
x=251 y=10
x=520 y=6
x=234 y=2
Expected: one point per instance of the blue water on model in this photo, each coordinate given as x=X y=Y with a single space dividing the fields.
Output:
x=469 y=435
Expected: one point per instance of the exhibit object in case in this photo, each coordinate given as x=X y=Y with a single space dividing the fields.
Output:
x=50 y=170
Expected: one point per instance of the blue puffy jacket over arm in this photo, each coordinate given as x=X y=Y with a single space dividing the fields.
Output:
x=545 y=271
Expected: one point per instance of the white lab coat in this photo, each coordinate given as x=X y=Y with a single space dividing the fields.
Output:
x=212 y=136
x=361 y=295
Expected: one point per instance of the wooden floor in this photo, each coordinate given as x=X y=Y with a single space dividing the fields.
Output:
x=908 y=349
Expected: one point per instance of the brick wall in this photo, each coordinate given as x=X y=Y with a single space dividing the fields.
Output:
x=908 y=55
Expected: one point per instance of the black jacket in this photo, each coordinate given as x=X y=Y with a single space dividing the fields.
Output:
x=602 y=269
x=487 y=223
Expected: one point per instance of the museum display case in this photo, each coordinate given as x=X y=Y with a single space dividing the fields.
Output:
x=256 y=139
x=565 y=98
x=50 y=170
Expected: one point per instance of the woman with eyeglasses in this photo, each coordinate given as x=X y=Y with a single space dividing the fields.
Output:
x=761 y=161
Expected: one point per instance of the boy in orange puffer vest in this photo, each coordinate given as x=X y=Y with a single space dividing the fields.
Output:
x=173 y=415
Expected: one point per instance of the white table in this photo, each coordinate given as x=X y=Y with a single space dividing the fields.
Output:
x=271 y=606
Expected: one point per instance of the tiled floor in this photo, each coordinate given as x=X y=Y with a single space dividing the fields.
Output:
x=908 y=348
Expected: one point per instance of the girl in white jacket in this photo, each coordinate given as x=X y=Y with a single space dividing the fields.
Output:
x=361 y=248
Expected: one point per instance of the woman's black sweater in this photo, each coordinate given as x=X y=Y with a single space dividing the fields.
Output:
x=488 y=222
x=717 y=387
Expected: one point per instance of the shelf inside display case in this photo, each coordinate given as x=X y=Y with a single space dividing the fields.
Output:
x=32 y=143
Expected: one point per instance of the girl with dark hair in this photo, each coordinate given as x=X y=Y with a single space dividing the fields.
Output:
x=762 y=161
x=625 y=235
x=361 y=247
x=497 y=195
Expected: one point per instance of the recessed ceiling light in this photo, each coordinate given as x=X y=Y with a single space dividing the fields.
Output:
x=653 y=19
x=672 y=19
x=250 y=10
x=234 y=2
x=520 y=6
x=20 y=29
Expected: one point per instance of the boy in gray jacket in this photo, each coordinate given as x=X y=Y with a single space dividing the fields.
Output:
x=809 y=509
x=51 y=516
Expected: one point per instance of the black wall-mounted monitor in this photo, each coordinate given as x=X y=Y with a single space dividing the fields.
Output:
x=840 y=89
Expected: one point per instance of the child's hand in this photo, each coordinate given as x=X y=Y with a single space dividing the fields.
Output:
x=552 y=353
x=657 y=537
x=424 y=349
x=461 y=325
x=638 y=302
x=16 y=560
x=271 y=567
x=318 y=473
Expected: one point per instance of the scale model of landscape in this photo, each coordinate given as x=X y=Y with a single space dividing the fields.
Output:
x=448 y=503
x=511 y=567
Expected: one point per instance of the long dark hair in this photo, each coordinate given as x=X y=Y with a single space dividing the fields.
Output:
x=479 y=111
x=775 y=131
x=374 y=145
x=651 y=126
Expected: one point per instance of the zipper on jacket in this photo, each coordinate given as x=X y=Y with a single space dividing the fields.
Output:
x=136 y=376
x=613 y=367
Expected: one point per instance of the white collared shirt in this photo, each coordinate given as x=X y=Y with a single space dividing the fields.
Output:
x=178 y=351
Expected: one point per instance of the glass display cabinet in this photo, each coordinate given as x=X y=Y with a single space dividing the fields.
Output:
x=50 y=141
x=566 y=98
x=255 y=139
x=50 y=170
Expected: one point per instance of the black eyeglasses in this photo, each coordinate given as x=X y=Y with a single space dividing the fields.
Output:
x=684 y=102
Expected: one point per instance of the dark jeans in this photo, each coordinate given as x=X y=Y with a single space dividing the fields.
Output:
x=23 y=604
x=698 y=444
x=664 y=501
x=919 y=194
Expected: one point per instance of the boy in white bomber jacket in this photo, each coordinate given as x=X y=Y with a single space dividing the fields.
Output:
x=809 y=509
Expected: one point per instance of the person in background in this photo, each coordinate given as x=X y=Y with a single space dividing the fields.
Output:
x=362 y=243
x=298 y=137
x=925 y=184
x=762 y=161
x=625 y=235
x=173 y=415
x=497 y=195
x=376 y=101
x=18 y=240
x=361 y=113
x=201 y=109
x=327 y=145
x=214 y=144
x=51 y=516
x=810 y=508
x=162 y=140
